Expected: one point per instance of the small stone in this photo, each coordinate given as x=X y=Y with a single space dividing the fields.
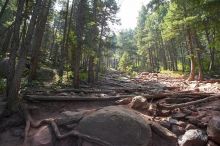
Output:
x=138 y=102
x=193 y=137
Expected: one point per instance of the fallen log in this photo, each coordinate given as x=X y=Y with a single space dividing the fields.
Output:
x=81 y=90
x=108 y=90
x=80 y=98
x=171 y=107
x=72 y=98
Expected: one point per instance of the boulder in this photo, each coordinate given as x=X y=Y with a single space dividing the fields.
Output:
x=117 y=126
x=213 y=129
x=138 y=102
x=193 y=137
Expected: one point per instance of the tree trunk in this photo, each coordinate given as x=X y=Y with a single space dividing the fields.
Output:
x=63 y=48
x=91 y=70
x=37 y=40
x=14 y=47
x=80 y=22
x=14 y=87
x=192 y=57
x=198 y=53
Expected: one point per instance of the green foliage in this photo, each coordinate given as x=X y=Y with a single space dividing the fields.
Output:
x=125 y=63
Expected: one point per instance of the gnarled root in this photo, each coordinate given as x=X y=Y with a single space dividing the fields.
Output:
x=31 y=123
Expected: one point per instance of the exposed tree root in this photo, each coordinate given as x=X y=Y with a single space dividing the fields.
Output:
x=171 y=107
x=31 y=123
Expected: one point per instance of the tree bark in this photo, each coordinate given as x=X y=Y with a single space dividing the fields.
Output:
x=80 y=22
x=14 y=87
x=192 y=57
x=64 y=47
x=14 y=47
x=37 y=39
x=91 y=70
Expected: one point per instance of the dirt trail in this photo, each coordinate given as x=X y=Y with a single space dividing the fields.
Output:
x=114 y=86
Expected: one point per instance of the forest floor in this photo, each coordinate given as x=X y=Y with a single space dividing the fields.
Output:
x=115 y=88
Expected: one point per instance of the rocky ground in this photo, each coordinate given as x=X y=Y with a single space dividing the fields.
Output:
x=158 y=98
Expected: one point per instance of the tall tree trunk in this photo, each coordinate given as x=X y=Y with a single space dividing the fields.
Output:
x=91 y=70
x=211 y=50
x=14 y=87
x=37 y=39
x=52 y=46
x=94 y=31
x=80 y=22
x=64 y=48
x=192 y=57
x=198 y=54
x=14 y=47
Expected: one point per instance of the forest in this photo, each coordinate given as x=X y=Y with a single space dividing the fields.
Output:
x=65 y=69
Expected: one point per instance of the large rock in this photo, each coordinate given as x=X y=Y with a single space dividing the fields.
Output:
x=138 y=102
x=193 y=137
x=117 y=126
x=43 y=137
x=213 y=129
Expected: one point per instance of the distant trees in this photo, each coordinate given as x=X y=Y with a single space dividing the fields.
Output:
x=178 y=35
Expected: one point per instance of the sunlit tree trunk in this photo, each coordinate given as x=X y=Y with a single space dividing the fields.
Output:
x=192 y=57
